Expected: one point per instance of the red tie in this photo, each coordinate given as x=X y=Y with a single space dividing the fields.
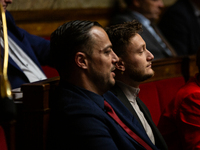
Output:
x=112 y=113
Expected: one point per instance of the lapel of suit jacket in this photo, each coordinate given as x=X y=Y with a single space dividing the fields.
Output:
x=122 y=97
x=10 y=60
x=125 y=115
x=20 y=40
x=119 y=93
x=159 y=141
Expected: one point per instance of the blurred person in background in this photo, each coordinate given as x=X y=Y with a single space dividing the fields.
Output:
x=147 y=12
x=26 y=53
x=180 y=122
x=180 y=24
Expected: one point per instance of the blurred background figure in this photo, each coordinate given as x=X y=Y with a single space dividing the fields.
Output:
x=180 y=122
x=26 y=53
x=147 y=12
x=180 y=24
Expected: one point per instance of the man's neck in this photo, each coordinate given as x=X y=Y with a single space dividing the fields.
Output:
x=128 y=81
x=85 y=83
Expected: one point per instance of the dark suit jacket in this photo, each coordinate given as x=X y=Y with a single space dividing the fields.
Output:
x=35 y=47
x=80 y=122
x=151 y=43
x=181 y=28
x=159 y=141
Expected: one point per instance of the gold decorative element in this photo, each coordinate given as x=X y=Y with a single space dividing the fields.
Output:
x=5 y=85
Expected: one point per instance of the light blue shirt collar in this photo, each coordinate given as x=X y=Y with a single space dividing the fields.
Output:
x=142 y=19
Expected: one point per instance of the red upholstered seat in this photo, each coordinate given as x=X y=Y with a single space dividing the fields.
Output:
x=157 y=94
x=3 y=145
x=50 y=72
x=149 y=95
x=167 y=90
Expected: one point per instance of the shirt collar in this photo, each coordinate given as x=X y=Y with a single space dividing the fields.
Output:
x=142 y=19
x=130 y=92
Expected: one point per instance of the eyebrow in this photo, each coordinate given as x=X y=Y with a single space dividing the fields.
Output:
x=143 y=46
x=109 y=46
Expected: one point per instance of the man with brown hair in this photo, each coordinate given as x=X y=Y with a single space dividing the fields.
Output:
x=134 y=67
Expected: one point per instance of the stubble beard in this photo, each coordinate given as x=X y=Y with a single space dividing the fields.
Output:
x=139 y=76
x=102 y=81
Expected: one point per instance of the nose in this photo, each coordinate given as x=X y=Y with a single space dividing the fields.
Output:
x=161 y=4
x=5 y=3
x=115 y=58
x=150 y=56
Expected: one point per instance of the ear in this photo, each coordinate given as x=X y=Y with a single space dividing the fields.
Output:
x=80 y=60
x=120 y=65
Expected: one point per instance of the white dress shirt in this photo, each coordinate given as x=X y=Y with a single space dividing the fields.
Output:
x=131 y=94
x=29 y=68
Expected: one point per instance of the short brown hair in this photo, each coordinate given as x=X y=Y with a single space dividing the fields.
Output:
x=120 y=35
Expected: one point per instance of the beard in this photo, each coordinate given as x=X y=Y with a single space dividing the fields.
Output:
x=138 y=75
x=101 y=80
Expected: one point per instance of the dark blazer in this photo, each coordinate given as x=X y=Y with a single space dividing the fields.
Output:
x=181 y=28
x=151 y=43
x=81 y=122
x=159 y=141
x=35 y=47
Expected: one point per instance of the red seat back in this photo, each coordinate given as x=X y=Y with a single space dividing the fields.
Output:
x=157 y=94
x=3 y=145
